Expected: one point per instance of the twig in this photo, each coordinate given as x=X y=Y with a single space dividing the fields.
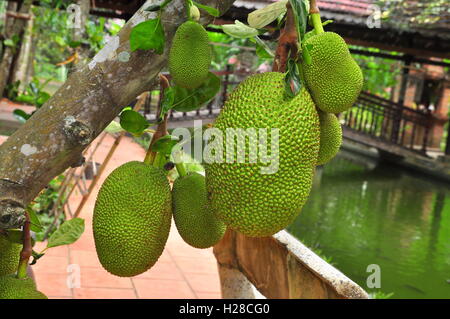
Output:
x=27 y=249
x=287 y=44
x=18 y=15
x=161 y=130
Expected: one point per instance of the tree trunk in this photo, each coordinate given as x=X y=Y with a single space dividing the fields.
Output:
x=54 y=137
x=80 y=33
x=23 y=59
x=17 y=27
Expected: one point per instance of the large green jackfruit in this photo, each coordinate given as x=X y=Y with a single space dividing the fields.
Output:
x=195 y=221
x=190 y=55
x=9 y=256
x=14 y=288
x=333 y=77
x=255 y=197
x=330 y=137
x=132 y=217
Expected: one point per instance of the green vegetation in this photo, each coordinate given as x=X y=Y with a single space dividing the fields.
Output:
x=330 y=137
x=192 y=213
x=12 y=287
x=247 y=200
x=132 y=217
x=333 y=77
x=190 y=55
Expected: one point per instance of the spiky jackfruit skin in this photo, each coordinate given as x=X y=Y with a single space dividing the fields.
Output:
x=9 y=256
x=330 y=137
x=194 y=218
x=190 y=55
x=14 y=288
x=132 y=217
x=248 y=201
x=333 y=77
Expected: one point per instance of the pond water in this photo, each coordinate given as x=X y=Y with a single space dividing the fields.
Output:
x=362 y=213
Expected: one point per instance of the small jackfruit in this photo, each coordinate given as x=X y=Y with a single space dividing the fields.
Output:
x=330 y=137
x=333 y=77
x=132 y=217
x=12 y=287
x=195 y=221
x=9 y=256
x=259 y=196
x=190 y=55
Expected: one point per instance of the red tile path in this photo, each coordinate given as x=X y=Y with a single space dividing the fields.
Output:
x=181 y=272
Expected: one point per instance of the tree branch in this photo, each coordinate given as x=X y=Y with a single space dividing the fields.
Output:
x=54 y=137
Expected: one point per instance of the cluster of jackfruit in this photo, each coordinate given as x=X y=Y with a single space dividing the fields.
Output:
x=133 y=212
x=257 y=204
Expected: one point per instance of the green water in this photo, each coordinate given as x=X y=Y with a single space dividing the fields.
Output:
x=361 y=213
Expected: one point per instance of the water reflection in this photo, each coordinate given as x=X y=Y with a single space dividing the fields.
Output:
x=361 y=213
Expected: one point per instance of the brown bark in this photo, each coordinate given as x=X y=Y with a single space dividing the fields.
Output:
x=54 y=137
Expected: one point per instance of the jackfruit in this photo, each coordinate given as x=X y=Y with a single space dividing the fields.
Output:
x=333 y=77
x=190 y=55
x=261 y=196
x=132 y=217
x=192 y=214
x=330 y=137
x=12 y=287
x=9 y=256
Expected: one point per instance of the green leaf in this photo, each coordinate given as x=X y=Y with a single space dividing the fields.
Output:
x=212 y=11
x=21 y=115
x=306 y=53
x=67 y=233
x=43 y=97
x=148 y=35
x=239 y=30
x=133 y=122
x=74 y=44
x=262 y=49
x=36 y=256
x=167 y=102
x=35 y=222
x=187 y=100
x=300 y=9
x=260 y=18
x=165 y=144
x=9 y=43
x=292 y=80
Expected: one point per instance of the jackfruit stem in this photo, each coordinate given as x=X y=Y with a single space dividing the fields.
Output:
x=181 y=169
x=27 y=249
x=317 y=22
x=288 y=43
x=161 y=130
x=315 y=16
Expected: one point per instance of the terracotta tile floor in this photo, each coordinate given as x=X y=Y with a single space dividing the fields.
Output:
x=181 y=272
